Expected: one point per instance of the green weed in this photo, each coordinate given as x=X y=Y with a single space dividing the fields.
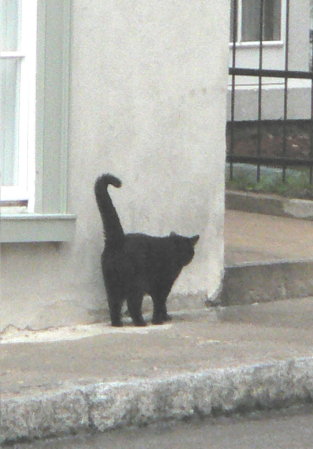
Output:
x=296 y=184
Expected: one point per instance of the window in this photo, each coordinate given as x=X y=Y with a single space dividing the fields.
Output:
x=34 y=86
x=249 y=15
x=17 y=96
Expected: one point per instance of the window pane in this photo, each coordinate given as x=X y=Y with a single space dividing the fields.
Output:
x=9 y=107
x=9 y=24
x=251 y=20
x=251 y=14
x=272 y=16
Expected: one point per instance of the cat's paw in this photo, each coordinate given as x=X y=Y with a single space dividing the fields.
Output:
x=140 y=323
x=117 y=324
x=157 y=321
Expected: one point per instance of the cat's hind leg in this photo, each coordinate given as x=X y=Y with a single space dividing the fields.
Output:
x=115 y=306
x=134 y=304
x=115 y=295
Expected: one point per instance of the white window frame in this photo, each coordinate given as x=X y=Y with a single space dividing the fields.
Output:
x=265 y=43
x=47 y=217
x=26 y=54
x=247 y=53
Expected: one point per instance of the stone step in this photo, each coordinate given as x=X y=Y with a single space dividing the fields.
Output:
x=249 y=283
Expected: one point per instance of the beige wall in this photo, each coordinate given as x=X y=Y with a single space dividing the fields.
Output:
x=148 y=103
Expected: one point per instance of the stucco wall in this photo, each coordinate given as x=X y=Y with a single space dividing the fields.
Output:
x=148 y=103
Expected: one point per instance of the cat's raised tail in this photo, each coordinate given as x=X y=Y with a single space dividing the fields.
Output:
x=113 y=231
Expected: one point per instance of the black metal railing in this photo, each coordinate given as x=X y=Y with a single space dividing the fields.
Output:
x=282 y=157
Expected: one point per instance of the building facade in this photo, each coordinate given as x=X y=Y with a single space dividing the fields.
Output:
x=137 y=89
x=275 y=33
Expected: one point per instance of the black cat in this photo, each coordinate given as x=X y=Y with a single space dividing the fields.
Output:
x=138 y=264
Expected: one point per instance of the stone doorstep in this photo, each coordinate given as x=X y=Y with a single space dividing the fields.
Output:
x=269 y=204
x=104 y=406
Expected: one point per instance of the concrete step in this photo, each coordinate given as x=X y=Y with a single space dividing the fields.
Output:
x=267 y=257
x=258 y=282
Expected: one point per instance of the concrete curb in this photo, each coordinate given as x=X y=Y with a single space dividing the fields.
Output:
x=248 y=283
x=269 y=205
x=104 y=406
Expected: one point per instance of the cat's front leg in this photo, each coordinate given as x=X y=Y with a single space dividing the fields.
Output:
x=160 y=314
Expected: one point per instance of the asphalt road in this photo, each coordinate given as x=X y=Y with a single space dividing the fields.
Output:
x=288 y=429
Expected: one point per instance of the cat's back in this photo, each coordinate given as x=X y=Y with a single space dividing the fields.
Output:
x=146 y=249
x=137 y=246
x=143 y=242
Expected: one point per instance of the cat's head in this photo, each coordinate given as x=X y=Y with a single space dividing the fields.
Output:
x=184 y=247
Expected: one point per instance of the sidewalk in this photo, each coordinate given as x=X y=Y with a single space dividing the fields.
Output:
x=214 y=360
x=222 y=360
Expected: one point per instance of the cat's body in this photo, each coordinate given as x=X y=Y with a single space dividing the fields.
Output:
x=138 y=264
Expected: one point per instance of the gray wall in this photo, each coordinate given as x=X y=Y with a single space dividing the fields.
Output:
x=148 y=103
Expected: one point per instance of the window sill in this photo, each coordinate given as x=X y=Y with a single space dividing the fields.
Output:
x=256 y=44
x=37 y=228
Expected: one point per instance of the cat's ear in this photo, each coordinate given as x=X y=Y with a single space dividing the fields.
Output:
x=194 y=239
